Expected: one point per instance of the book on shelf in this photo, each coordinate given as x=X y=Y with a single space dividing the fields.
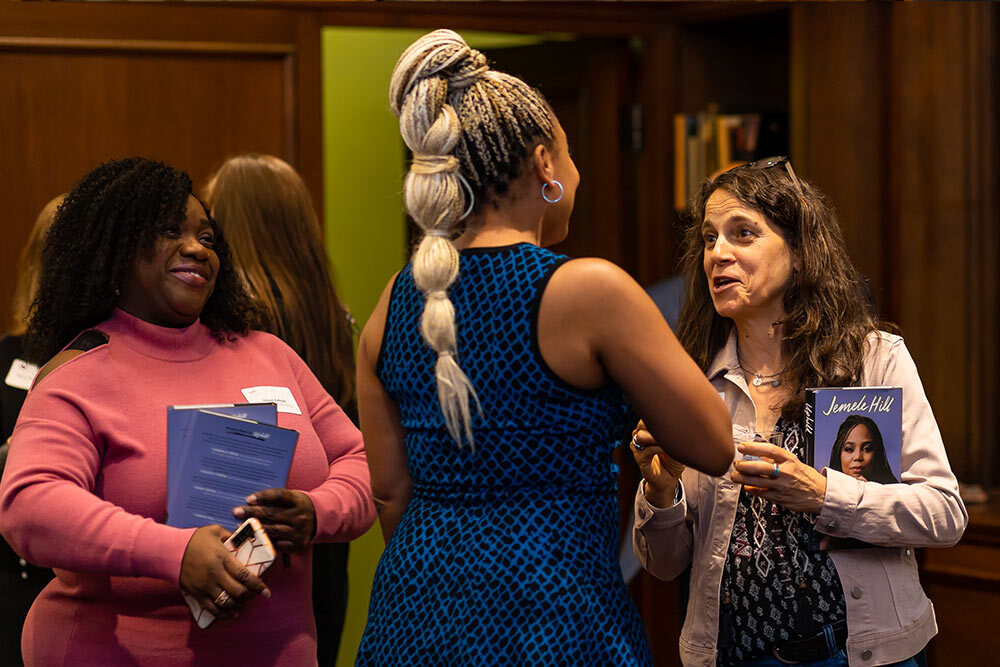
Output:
x=218 y=460
x=856 y=430
x=709 y=142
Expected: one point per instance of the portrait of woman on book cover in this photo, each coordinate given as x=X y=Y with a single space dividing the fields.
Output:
x=859 y=451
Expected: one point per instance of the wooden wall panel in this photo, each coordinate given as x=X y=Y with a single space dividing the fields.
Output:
x=963 y=582
x=739 y=63
x=894 y=116
x=838 y=122
x=588 y=84
x=659 y=603
x=983 y=328
x=943 y=189
x=658 y=235
x=304 y=101
x=75 y=109
x=83 y=84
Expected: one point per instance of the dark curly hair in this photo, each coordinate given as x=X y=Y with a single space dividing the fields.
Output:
x=829 y=309
x=110 y=219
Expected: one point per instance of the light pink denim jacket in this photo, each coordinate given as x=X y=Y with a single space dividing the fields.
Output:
x=889 y=618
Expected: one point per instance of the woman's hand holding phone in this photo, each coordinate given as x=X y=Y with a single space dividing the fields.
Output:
x=216 y=580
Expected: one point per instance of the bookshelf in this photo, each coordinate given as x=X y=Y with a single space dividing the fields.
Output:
x=733 y=95
x=710 y=142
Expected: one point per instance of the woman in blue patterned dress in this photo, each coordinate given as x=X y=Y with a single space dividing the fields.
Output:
x=494 y=382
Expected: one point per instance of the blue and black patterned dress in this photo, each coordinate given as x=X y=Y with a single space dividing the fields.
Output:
x=507 y=553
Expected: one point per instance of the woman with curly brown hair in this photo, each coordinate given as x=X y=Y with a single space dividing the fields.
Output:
x=140 y=308
x=774 y=306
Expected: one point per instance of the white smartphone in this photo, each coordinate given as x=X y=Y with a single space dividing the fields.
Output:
x=252 y=547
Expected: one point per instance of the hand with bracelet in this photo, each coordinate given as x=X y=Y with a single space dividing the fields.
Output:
x=662 y=473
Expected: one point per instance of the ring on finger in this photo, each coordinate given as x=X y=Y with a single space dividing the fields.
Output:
x=635 y=443
x=222 y=600
x=776 y=472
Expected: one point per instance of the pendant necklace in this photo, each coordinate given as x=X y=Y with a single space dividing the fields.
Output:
x=759 y=378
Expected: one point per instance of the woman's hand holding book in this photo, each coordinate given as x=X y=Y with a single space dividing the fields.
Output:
x=288 y=517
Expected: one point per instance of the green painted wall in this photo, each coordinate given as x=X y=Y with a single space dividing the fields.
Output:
x=363 y=164
x=364 y=217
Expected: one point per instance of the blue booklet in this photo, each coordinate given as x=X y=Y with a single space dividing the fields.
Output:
x=179 y=419
x=222 y=460
x=856 y=430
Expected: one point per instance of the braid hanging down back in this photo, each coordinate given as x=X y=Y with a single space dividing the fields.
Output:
x=461 y=121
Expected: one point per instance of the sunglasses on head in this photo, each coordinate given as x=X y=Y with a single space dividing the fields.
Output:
x=774 y=161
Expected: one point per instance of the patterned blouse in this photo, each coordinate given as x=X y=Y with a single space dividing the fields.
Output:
x=777 y=584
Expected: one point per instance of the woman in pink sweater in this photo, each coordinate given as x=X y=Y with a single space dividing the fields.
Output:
x=136 y=263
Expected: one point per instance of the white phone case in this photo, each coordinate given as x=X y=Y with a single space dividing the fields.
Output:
x=252 y=547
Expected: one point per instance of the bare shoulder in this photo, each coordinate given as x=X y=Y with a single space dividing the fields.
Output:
x=86 y=341
x=592 y=284
x=591 y=269
x=54 y=363
x=370 y=342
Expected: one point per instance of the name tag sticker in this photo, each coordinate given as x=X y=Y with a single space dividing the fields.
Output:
x=281 y=396
x=21 y=374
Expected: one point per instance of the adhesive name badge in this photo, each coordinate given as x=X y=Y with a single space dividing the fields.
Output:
x=21 y=374
x=281 y=396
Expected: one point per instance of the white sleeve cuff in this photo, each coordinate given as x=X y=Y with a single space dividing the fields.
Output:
x=645 y=512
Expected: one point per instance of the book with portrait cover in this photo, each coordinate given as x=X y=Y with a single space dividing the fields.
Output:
x=856 y=430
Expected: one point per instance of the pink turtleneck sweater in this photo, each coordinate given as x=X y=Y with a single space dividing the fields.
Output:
x=84 y=492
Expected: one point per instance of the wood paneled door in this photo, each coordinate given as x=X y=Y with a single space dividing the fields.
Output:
x=82 y=85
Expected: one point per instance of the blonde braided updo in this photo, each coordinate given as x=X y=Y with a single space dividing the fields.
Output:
x=461 y=120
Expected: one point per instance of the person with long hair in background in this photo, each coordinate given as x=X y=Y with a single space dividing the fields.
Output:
x=494 y=378
x=20 y=581
x=277 y=245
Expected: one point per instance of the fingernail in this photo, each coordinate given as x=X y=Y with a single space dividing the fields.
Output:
x=238 y=512
x=741 y=447
x=266 y=592
x=251 y=499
